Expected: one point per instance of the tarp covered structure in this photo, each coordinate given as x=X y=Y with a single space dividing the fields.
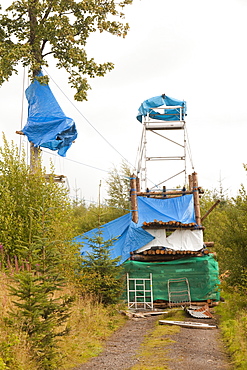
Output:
x=47 y=126
x=148 y=106
x=131 y=236
x=201 y=272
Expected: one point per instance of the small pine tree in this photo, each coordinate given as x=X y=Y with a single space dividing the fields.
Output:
x=101 y=274
x=41 y=309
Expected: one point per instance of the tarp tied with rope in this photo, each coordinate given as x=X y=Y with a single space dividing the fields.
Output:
x=47 y=126
x=148 y=106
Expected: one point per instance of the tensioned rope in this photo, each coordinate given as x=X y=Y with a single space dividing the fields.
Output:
x=72 y=160
x=87 y=119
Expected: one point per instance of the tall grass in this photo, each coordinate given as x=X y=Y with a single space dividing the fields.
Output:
x=233 y=324
x=14 y=348
x=89 y=325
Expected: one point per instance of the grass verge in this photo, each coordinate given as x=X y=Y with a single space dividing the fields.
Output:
x=233 y=325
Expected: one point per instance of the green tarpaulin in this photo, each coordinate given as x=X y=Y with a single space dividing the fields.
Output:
x=201 y=272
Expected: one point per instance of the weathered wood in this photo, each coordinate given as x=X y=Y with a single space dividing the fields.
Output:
x=133 y=199
x=209 y=244
x=156 y=257
x=196 y=198
x=188 y=324
x=55 y=178
x=138 y=186
x=161 y=193
x=34 y=157
x=190 y=183
x=210 y=210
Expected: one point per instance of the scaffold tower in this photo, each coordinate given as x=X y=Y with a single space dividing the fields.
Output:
x=163 y=118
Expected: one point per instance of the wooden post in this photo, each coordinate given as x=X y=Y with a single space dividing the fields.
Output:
x=190 y=183
x=196 y=199
x=138 y=187
x=133 y=198
x=34 y=157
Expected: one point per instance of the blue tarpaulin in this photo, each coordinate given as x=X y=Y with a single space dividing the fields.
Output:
x=47 y=126
x=180 y=209
x=131 y=236
x=168 y=114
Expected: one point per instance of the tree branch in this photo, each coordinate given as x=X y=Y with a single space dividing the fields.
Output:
x=48 y=10
x=50 y=52
x=43 y=45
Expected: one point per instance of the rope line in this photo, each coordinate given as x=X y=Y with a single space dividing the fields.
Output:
x=88 y=120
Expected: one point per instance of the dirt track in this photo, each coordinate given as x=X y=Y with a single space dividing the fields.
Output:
x=194 y=349
x=198 y=349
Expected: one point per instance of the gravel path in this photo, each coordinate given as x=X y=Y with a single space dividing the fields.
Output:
x=121 y=348
x=198 y=349
x=194 y=349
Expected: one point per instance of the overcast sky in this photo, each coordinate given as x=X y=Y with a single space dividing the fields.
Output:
x=190 y=50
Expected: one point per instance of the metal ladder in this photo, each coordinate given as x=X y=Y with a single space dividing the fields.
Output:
x=140 y=292
x=179 y=292
x=152 y=129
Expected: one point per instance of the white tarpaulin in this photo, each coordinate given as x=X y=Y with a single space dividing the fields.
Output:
x=179 y=240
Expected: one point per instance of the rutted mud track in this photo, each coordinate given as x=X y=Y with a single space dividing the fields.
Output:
x=194 y=348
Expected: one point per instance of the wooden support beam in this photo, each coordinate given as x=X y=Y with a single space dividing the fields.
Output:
x=34 y=157
x=138 y=186
x=162 y=193
x=55 y=178
x=133 y=199
x=190 y=183
x=210 y=210
x=19 y=133
x=209 y=244
x=196 y=199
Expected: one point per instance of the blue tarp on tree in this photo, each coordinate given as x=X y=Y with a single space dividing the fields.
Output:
x=47 y=126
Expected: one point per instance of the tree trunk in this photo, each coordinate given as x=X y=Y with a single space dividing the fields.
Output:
x=36 y=65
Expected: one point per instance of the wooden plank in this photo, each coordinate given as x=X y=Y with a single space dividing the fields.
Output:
x=188 y=324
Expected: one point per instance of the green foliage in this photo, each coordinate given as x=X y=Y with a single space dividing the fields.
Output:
x=3 y=366
x=7 y=347
x=119 y=188
x=26 y=196
x=215 y=222
x=41 y=313
x=32 y=30
x=227 y=227
x=101 y=274
x=234 y=240
x=233 y=325
x=87 y=218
